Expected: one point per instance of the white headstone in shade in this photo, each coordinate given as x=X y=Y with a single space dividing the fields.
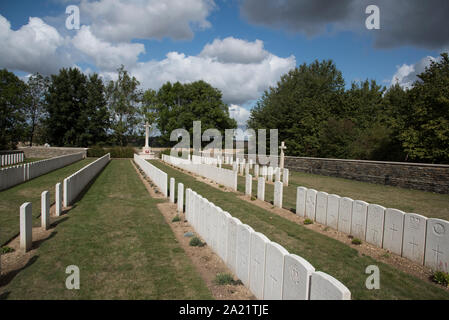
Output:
x=285 y=177
x=278 y=194
x=274 y=271
x=248 y=184
x=180 y=197
x=301 y=201
x=270 y=174
x=256 y=171
x=311 y=204
x=321 y=207
x=58 y=199
x=261 y=188
x=26 y=226
x=45 y=210
x=375 y=224
x=437 y=245
x=297 y=273
x=277 y=174
x=231 y=255
x=358 y=224
x=393 y=230
x=243 y=252
x=345 y=215
x=242 y=169
x=264 y=171
x=326 y=287
x=414 y=239
x=247 y=168
x=257 y=264
x=172 y=190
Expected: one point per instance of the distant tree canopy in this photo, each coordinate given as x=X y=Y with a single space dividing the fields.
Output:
x=317 y=117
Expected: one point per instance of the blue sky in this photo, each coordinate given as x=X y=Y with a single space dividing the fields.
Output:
x=241 y=47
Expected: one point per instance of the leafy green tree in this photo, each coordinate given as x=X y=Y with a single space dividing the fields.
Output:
x=37 y=87
x=13 y=100
x=124 y=99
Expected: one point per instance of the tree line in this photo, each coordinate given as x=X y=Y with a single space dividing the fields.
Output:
x=317 y=117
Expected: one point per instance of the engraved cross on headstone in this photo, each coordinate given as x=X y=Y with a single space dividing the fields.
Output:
x=437 y=254
x=414 y=245
x=392 y=228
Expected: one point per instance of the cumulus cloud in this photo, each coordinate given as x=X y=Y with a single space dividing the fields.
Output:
x=107 y=56
x=406 y=74
x=403 y=22
x=35 y=47
x=123 y=20
x=240 y=114
x=232 y=50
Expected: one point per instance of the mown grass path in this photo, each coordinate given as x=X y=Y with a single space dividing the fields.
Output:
x=30 y=191
x=324 y=253
x=121 y=243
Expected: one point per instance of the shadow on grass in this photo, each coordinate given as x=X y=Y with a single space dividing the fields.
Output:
x=7 y=278
x=37 y=244
x=87 y=187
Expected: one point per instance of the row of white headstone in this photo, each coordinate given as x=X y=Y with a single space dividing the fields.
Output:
x=11 y=158
x=221 y=176
x=156 y=175
x=15 y=175
x=268 y=173
x=413 y=236
x=265 y=267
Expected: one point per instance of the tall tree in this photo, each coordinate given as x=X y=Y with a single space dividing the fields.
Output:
x=124 y=99
x=37 y=86
x=12 y=109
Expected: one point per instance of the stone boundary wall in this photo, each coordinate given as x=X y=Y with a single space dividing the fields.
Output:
x=50 y=152
x=74 y=184
x=158 y=176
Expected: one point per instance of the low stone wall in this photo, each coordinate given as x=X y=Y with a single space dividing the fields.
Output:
x=50 y=152
x=427 y=177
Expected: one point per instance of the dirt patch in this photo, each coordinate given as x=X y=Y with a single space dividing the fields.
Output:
x=206 y=262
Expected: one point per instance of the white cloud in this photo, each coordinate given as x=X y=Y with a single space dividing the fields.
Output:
x=235 y=50
x=123 y=20
x=240 y=114
x=406 y=74
x=36 y=46
x=107 y=56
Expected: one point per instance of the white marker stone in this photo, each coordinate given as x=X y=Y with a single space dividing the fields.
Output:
x=297 y=273
x=277 y=173
x=231 y=255
x=311 y=204
x=437 y=245
x=285 y=177
x=257 y=264
x=248 y=185
x=58 y=200
x=321 y=207
x=326 y=287
x=264 y=172
x=345 y=215
x=172 y=190
x=301 y=201
x=270 y=174
x=256 y=171
x=242 y=168
x=358 y=223
x=223 y=218
x=414 y=239
x=375 y=224
x=274 y=271
x=45 y=210
x=243 y=252
x=278 y=194
x=261 y=188
x=393 y=230
x=26 y=226
x=180 y=197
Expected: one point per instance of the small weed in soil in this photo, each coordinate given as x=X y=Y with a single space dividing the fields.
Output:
x=308 y=221
x=6 y=249
x=253 y=198
x=226 y=278
x=356 y=241
x=441 y=278
x=196 y=242
x=221 y=186
x=176 y=219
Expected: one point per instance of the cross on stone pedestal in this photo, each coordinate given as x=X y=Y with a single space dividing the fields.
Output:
x=282 y=147
x=147 y=133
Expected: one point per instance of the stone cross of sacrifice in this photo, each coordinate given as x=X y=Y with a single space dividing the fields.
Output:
x=282 y=147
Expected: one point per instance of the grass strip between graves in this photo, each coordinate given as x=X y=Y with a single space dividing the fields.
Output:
x=121 y=243
x=324 y=253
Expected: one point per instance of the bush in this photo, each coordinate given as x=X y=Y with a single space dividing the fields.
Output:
x=356 y=241
x=308 y=221
x=96 y=152
x=226 y=278
x=196 y=242
x=441 y=278
x=116 y=152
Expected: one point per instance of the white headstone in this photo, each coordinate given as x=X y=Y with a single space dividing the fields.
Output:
x=172 y=190
x=248 y=185
x=26 y=226
x=256 y=171
x=270 y=174
x=45 y=210
x=285 y=177
x=358 y=223
x=297 y=273
x=311 y=204
x=247 y=168
x=326 y=287
x=278 y=194
x=261 y=188
x=243 y=252
x=257 y=264
x=242 y=168
x=231 y=254
x=264 y=172
x=333 y=203
x=58 y=199
x=180 y=197
x=277 y=172
x=274 y=271
x=223 y=218
x=301 y=201
x=393 y=230
x=414 y=239
x=437 y=245
x=345 y=215
x=321 y=207
x=375 y=224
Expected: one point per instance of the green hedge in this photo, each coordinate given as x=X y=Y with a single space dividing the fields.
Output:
x=116 y=152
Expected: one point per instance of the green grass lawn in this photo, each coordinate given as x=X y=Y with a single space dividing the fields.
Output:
x=429 y=204
x=30 y=191
x=121 y=243
x=324 y=253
